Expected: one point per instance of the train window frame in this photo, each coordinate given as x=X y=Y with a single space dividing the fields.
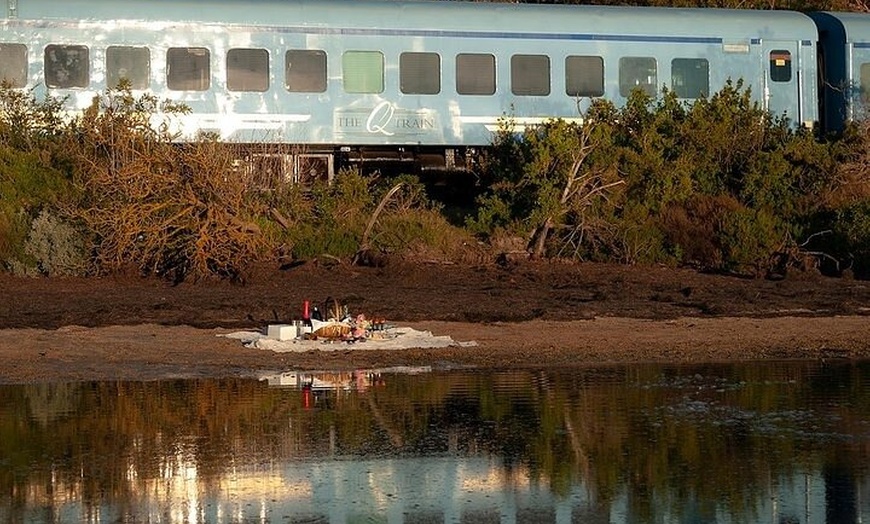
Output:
x=475 y=74
x=780 y=65
x=362 y=71
x=247 y=69
x=197 y=60
x=13 y=64
x=690 y=78
x=530 y=75
x=67 y=66
x=584 y=75
x=305 y=70
x=420 y=73
x=141 y=79
x=638 y=72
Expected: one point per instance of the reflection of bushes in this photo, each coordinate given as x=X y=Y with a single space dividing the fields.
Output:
x=665 y=438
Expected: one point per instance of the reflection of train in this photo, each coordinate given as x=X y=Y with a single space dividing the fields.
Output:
x=427 y=81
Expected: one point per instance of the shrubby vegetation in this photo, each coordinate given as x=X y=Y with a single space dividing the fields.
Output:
x=719 y=185
x=109 y=191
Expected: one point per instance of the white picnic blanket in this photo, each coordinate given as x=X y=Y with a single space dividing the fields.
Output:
x=393 y=338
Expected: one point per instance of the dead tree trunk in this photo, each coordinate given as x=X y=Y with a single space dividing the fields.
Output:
x=579 y=191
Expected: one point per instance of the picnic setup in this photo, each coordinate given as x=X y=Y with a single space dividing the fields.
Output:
x=332 y=327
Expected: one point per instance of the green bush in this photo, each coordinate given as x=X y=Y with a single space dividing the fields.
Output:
x=542 y=182
x=57 y=247
x=332 y=219
x=718 y=184
x=638 y=238
x=13 y=235
x=850 y=242
x=750 y=240
x=313 y=240
x=33 y=171
x=696 y=176
x=326 y=218
x=27 y=124
x=426 y=234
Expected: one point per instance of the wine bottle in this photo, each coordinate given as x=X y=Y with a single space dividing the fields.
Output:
x=306 y=313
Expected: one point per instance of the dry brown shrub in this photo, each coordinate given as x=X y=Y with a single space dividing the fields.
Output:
x=694 y=225
x=181 y=211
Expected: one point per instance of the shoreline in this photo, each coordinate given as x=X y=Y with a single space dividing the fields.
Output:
x=164 y=352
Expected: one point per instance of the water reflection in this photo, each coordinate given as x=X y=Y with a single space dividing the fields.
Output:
x=360 y=379
x=774 y=442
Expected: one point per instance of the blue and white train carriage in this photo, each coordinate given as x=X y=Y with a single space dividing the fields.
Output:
x=420 y=81
x=844 y=42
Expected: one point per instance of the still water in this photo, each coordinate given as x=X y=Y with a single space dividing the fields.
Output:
x=784 y=442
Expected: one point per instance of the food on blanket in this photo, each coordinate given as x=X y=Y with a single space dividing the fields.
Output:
x=348 y=328
x=332 y=330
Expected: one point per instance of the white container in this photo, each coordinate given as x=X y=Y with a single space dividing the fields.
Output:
x=281 y=332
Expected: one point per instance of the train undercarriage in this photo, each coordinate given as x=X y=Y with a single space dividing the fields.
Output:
x=269 y=166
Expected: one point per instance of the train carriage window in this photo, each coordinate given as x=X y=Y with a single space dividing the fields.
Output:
x=637 y=72
x=13 y=65
x=865 y=84
x=248 y=70
x=420 y=73
x=780 y=66
x=187 y=69
x=305 y=71
x=66 y=66
x=132 y=64
x=475 y=74
x=584 y=76
x=690 y=77
x=363 y=71
x=530 y=75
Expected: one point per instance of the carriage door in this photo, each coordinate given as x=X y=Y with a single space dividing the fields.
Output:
x=780 y=61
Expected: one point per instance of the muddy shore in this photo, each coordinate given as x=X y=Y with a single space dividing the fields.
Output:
x=532 y=315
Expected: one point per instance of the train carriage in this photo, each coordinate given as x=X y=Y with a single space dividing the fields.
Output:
x=844 y=41
x=399 y=80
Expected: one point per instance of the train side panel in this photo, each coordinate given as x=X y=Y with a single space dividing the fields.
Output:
x=334 y=74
